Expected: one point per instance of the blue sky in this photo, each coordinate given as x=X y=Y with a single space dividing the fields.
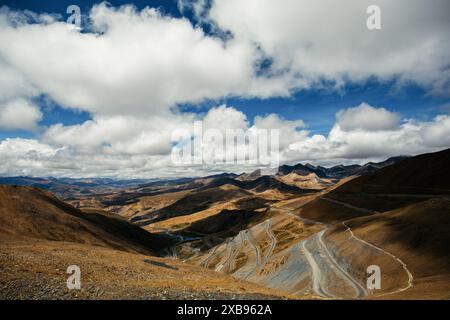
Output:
x=357 y=91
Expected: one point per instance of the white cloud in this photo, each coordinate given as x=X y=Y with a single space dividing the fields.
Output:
x=31 y=157
x=366 y=117
x=224 y=118
x=327 y=40
x=141 y=147
x=19 y=114
x=15 y=147
x=198 y=8
x=141 y=64
x=290 y=130
x=437 y=132
x=13 y=84
x=119 y=134
x=371 y=141
x=272 y=121
x=131 y=75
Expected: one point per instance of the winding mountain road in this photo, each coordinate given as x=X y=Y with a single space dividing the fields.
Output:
x=229 y=250
x=410 y=276
x=236 y=250
x=251 y=241
x=210 y=256
x=349 y=205
x=333 y=264
x=273 y=242
x=317 y=276
x=352 y=235
x=360 y=290
x=324 y=266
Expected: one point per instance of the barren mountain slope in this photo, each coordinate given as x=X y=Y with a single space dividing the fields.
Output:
x=409 y=181
x=308 y=181
x=37 y=270
x=27 y=212
x=424 y=174
x=410 y=245
x=322 y=244
x=41 y=236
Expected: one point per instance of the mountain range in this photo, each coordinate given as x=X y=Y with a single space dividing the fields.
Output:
x=304 y=232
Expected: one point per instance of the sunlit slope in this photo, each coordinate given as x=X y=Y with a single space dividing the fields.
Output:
x=27 y=212
x=409 y=244
x=321 y=245
x=41 y=236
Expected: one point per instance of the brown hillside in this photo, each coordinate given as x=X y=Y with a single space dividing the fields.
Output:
x=417 y=234
x=423 y=174
x=27 y=212
x=412 y=180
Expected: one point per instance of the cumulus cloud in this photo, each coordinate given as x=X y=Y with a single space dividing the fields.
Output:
x=311 y=41
x=19 y=114
x=290 y=130
x=224 y=118
x=13 y=84
x=140 y=149
x=119 y=134
x=197 y=7
x=366 y=117
x=147 y=63
x=31 y=157
x=131 y=69
x=437 y=133
x=138 y=62
x=360 y=143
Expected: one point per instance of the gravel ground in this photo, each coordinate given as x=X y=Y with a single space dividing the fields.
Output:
x=38 y=272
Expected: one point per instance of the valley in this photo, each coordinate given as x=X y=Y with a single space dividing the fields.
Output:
x=304 y=233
